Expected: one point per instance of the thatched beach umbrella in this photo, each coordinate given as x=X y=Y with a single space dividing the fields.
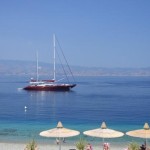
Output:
x=103 y=132
x=141 y=133
x=59 y=132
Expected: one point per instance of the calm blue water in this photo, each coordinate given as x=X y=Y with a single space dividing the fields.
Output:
x=122 y=102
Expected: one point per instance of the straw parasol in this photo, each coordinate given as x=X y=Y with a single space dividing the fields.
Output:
x=103 y=132
x=141 y=133
x=59 y=132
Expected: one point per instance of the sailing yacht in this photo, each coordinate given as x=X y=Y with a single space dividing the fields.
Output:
x=49 y=85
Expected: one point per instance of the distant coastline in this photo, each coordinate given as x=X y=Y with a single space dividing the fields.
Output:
x=17 y=67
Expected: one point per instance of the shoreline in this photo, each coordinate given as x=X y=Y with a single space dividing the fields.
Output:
x=50 y=143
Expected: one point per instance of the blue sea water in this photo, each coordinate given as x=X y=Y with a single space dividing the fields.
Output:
x=122 y=102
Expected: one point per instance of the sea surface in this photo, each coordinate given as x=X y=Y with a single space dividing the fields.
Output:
x=122 y=102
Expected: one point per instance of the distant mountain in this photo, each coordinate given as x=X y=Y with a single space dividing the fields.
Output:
x=17 y=67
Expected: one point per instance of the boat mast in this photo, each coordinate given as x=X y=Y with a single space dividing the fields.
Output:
x=54 y=57
x=37 y=67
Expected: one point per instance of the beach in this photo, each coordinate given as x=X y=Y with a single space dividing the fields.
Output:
x=21 y=146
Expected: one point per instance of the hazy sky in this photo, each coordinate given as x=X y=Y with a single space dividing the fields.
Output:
x=102 y=33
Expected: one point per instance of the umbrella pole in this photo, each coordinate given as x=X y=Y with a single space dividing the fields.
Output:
x=146 y=143
x=59 y=143
x=103 y=143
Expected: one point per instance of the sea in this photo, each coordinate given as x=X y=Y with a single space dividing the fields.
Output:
x=122 y=102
